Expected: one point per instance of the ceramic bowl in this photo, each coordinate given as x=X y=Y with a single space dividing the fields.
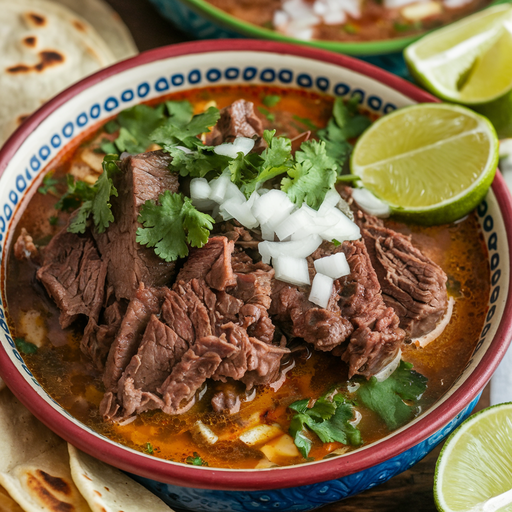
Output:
x=151 y=75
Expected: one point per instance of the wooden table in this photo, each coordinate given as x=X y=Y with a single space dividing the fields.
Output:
x=411 y=490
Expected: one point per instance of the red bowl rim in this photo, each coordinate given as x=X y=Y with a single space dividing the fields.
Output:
x=292 y=476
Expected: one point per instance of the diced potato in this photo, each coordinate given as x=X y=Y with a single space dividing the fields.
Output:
x=82 y=171
x=419 y=11
x=260 y=434
x=203 y=434
x=265 y=463
x=32 y=327
x=279 y=448
x=92 y=159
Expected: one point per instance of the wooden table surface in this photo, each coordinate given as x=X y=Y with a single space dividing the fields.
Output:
x=411 y=490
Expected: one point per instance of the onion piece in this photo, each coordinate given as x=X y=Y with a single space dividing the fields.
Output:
x=234 y=209
x=332 y=198
x=321 y=290
x=424 y=340
x=299 y=249
x=370 y=203
x=272 y=207
x=383 y=374
x=334 y=266
x=233 y=192
x=291 y=270
x=297 y=222
x=219 y=186
x=231 y=149
x=200 y=188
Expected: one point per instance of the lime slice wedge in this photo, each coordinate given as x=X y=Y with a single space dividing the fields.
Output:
x=474 y=469
x=431 y=163
x=470 y=62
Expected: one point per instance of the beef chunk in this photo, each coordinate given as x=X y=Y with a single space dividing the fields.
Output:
x=198 y=364
x=74 y=276
x=377 y=336
x=227 y=399
x=236 y=120
x=147 y=302
x=143 y=177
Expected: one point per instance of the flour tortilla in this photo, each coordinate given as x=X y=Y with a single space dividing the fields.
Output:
x=107 y=489
x=44 y=48
x=107 y=23
x=34 y=463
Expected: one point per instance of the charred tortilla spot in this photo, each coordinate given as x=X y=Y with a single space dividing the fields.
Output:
x=55 y=483
x=98 y=493
x=30 y=41
x=48 y=59
x=79 y=25
x=36 y=19
x=19 y=68
x=85 y=476
x=45 y=497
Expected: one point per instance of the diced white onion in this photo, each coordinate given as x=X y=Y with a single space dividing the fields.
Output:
x=419 y=11
x=353 y=387
x=296 y=222
x=334 y=266
x=203 y=434
x=239 y=145
x=343 y=229
x=272 y=207
x=299 y=249
x=357 y=418
x=200 y=188
x=383 y=374
x=321 y=290
x=233 y=192
x=291 y=270
x=218 y=187
x=185 y=150
x=234 y=209
x=332 y=198
x=424 y=340
x=370 y=203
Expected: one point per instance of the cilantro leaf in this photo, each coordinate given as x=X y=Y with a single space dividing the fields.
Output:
x=329 y=418
x=197 y=164
x=313 y=175
x=25 y=347
x=108 y=147
x=269 y=115
x=271 y=100
x=172 y=133
x=180 y=112
x=149 y=448
x=196 y=460
x=111 y=127
x=172 y=224
x=48 y=185
x=96 y=199
x=136 y=124
x=387 y=398
x=78 y=191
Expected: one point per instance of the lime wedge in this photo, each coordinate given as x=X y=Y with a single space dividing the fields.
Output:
x=431 y=163
x=474 y=469
x=470 y=62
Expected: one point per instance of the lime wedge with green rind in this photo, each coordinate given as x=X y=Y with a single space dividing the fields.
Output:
x=470 y=62
x=474 y=470
x=431 y=163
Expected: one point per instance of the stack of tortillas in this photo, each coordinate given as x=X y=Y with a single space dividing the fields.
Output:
x=41 y=472
x=47 y=45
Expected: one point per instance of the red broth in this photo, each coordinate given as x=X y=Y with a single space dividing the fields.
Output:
x=71 y=379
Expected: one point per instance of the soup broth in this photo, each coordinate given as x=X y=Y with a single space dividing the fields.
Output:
x=75 y=383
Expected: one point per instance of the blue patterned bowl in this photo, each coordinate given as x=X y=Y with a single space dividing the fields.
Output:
x=151 y=75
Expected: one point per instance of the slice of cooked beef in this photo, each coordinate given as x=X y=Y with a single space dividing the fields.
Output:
x=377 y=336
x=74 y=276
x=143 y=177
x=236 y=120
x=146 y=302
x=211 y=263
x=98 y=337
x=198 y=364
x=411 y=282
x=226 y=400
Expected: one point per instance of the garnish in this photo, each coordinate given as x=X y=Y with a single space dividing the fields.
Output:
x=108 y=147
x=346 y=123
x=196 y=460
x=25 y=347
x=48 y=185
x=270 y=117
x=313 y=175
x=53 y=219
x=172 y=224
x=329 y=418
x=271 y=100
x=386 y=398
x=96 y=199
x=149 y=448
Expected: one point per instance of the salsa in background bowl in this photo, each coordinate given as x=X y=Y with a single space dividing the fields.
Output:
x=80 y=111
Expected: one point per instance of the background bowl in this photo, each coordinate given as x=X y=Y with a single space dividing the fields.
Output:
x=154 y=74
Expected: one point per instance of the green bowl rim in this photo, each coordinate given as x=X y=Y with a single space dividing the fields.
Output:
x=362 y=48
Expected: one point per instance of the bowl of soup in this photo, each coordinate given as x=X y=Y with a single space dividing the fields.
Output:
x=352 y=27
x=148 y=319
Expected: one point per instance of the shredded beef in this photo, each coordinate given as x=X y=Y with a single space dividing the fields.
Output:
x=236 y=120
x=226 y=400
x=142 y=177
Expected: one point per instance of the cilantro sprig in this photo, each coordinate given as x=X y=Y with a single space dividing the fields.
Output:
x=95 y=199
x=329 y=418
x=171 y=225
x=388 y=398
x=196 y=460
